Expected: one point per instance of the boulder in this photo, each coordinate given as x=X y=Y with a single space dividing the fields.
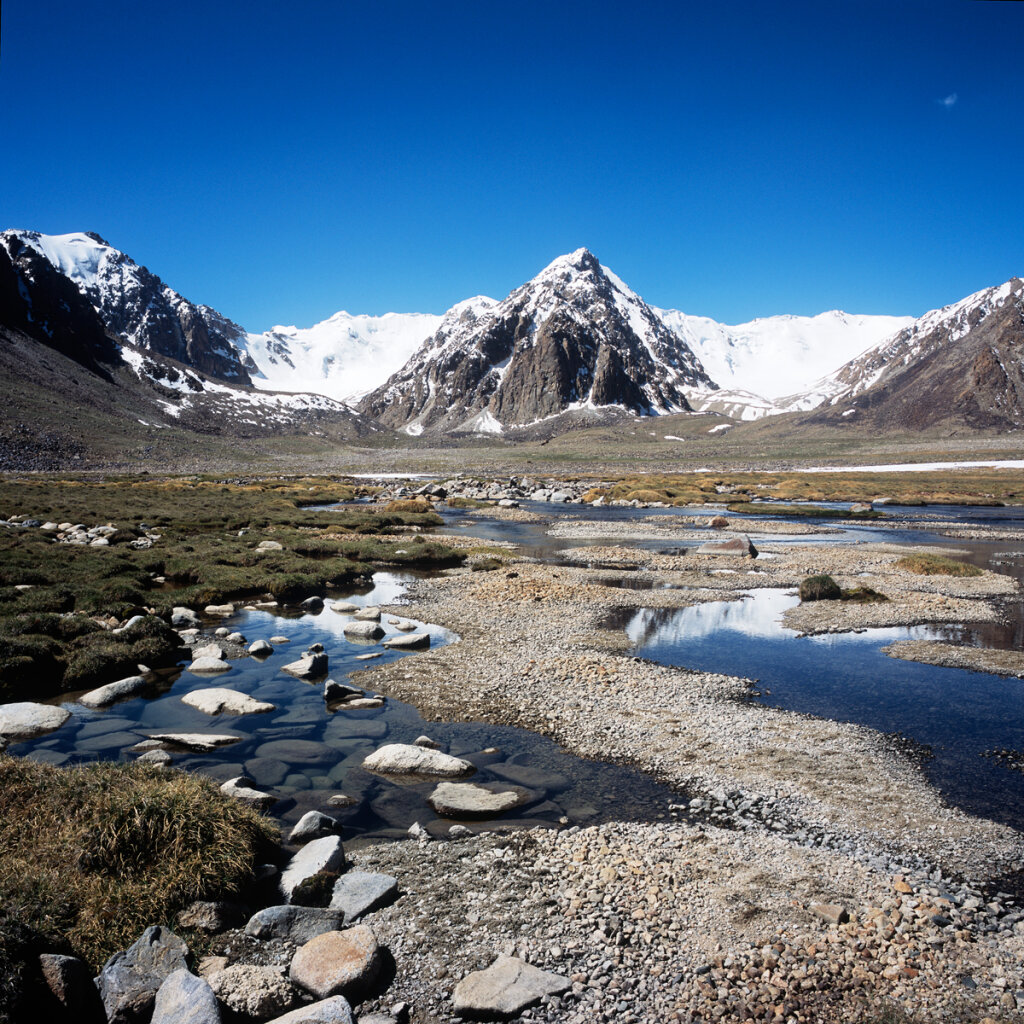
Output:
x=158 y=758
x=244 y=789
x=426 y=741
x=369 y=614
x=363 y=630
x=280 y=640
x=129 y=981
x=358 y=892
x=293 y=923
x=184 y=618
x=104 y=695
x=309 y=666
x=235 y=638
x=408 y=759
x=203 y=666
x=409 y=641
x=365 y=703
x=209 y=651
x=254 y=992
x=260 y=649
x=338 y=963
x=335 y=1010
x=220 y=609
x=471 y=800
x=739 y=546
x=325 y=854
x=344 y=607
x=335 y=691
x=312 y=604
x=269 y=545
x=201 y=741
x=24 y=719
x=71 y=984
x=219 y=699
x=505 y=989
x=313 y=825
x=185 y=999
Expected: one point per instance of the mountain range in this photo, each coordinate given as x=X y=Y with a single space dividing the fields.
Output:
x=574 y=341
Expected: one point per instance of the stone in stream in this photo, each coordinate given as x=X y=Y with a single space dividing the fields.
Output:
x=253 y=992
x=505 y=989
x=157 y=758
x=293 y=923
x=325 y=854
x=219 y=699
x=235 y=638
x=260 y=649
x=220 y=609
x=184 y=618
x=280 y=640
x=185 y=999
x=129 y=981
x=369 y=614
x=267 y=771
x=104 y=695
x=408 y=642
x=341 y=691
x=209 y=651
x=368 y=657
x=208 y=665
x=313 y=825
x=471 y=800
x=312 y=604
x=244 y=789
x=24 y=720
x=358 y=892
x=426 y=741
x=407 y=759
x=338 y=963
x=363 y=630
x=71 y=984
x=298 y=751
x=201 y=741
x=344 y=607
x=309 y=666
x=335 y=1010
x=365 y=703
x=740 y=546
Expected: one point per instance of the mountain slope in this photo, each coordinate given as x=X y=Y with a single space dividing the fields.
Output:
x=136 y=306
x=346 y=355
x=962 y=363
x=575 y=336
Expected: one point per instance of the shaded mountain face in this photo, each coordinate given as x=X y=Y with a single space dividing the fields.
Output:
x=41 y=303
x=573 y=337
x=963 y=363
x=137 y=307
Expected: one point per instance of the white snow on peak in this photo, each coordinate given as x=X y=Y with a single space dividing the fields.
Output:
x=346 y=355
x=779 y=355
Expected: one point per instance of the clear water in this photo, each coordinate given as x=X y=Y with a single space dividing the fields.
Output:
x=305 y=752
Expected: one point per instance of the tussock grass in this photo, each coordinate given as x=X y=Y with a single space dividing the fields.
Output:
x=820 y=588
x=936 y=565
x=94 y=854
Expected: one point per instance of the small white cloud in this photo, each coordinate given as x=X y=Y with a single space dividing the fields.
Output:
x=948 y=101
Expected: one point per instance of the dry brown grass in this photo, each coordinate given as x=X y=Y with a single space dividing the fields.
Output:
x=936 y=565
x=94 y=854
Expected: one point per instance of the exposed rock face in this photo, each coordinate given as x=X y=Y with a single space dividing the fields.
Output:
x=137 y=306
x=130 y=979
x=963 y=363
x=573 y=336
x=42 y=303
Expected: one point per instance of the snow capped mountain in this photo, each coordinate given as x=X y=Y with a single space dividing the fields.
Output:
x=344 y=356
x=136 y=306
x=773 y=357
x=964 y=361
x=573 y=337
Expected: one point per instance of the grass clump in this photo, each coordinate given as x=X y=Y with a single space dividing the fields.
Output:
x=808 y=511
x=820 y=588
x=414 y=506
x=936 y=565
x=467 y=503
x=863 y=595
x=96 y=853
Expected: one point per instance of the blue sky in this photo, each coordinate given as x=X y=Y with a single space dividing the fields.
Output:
x=282 y=162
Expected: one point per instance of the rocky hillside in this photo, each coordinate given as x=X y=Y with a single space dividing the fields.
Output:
x=962 y=363
x=137 y=307
x=573 y=337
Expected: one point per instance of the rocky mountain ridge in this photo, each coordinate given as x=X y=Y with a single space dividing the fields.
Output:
x=575 y=336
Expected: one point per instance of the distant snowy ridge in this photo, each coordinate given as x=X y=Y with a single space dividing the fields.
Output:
x=347 y=355
x=770 y=358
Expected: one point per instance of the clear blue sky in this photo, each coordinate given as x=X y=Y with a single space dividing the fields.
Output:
x=283 y=161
